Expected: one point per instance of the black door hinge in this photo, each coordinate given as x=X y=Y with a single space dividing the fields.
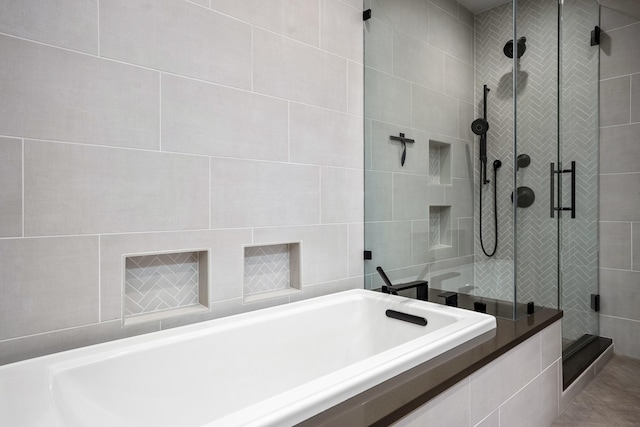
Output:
x=595 y=302
x=366 y=15
x=367 y=255
x=595 y=36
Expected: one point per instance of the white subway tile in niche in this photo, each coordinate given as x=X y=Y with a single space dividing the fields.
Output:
x=160 y=285
x=439 y=162
x=271 y=271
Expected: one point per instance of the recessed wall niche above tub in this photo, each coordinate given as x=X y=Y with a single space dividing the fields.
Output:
x=439 y=162
x=164 y=284
x=271 y=271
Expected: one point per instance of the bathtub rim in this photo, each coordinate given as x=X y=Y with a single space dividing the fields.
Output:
x=82 y=356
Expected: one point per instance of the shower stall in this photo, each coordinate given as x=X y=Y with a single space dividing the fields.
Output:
x=496 y=196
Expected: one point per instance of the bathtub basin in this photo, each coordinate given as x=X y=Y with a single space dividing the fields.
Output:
x=271 y=367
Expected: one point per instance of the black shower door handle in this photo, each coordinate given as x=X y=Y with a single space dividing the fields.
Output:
x=552 y=178
x=552 y=173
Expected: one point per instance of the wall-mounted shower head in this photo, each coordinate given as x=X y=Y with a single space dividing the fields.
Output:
x=480 y=126
x=522 y=46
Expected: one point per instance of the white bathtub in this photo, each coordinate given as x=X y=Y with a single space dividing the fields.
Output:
x=276 y=366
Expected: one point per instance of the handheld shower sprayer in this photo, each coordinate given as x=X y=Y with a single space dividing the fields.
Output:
x=480 y=127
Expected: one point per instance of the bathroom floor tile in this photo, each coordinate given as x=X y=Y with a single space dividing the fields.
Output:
x=611 y=399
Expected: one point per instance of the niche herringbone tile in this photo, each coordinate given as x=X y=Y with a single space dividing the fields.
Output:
x=266 y=268
x=160 y=282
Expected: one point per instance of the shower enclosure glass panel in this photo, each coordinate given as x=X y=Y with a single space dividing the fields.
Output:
x=536 y=109
x=419 y=85
x=526 y=68
x=494 y=276
x=579 y=143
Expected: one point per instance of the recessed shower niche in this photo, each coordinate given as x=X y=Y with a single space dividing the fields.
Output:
x=439 y=162
x=271 y=271
x=439 y=227
x=161 y=285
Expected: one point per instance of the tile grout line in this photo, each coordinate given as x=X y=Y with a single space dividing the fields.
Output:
x=22 y=184
x=99 y=279
x=160 y=111
x=98 y=12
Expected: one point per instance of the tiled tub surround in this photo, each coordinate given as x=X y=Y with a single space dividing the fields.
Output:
x=236 y=371
x=511 y=379
x=135 y=126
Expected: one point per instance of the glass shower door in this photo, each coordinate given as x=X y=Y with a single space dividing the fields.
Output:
x=578 y=150
x=537 y=234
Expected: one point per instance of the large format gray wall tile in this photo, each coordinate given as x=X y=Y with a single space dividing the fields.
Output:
x=323 y=137
x=611 y=19
x=411 y=16
x=635 y=98
x=378 y=196
x=341 y=29
x=337 y=188
x=624 y=333
x=178 y=37
x=288 y=69
x=615 y=101
x=410 y=197
x=458 y=79
x=620 y=197
x=450 y=35
x=434 y=112
x=11 y=188
x=388 y=98
x=418 y=62
x=620 y=293
x=204 y=118
x=616 y=238
x=619 y=149
x=75 y=189
x=536 y=404
x=355 y=82
x=72 y=24
x=58 y=289
x=620 y=52
x=378 y=45
x=298 y=19
x=635 y=242
x=504 y=377
x=263 y=194
x=51 y=93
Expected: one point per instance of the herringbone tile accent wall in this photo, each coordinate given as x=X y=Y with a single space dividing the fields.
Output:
x=160 y=282
x=266 y=268
x=537 y=95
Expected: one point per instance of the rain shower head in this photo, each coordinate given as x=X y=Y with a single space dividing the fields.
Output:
x=522 y=46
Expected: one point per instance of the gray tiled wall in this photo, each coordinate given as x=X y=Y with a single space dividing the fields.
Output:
x=620 y=180
x=131 y=127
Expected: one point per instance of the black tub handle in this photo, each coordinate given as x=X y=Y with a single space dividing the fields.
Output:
x=406 y=317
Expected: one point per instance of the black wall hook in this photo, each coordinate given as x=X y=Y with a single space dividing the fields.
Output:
x=404 y=141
